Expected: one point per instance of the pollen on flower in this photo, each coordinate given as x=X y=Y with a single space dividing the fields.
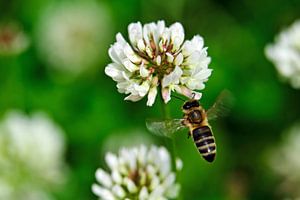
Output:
x=158 y=57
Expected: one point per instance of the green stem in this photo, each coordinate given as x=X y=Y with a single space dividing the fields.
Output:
x=170 y=143
x=165 y=110
x=14 y=83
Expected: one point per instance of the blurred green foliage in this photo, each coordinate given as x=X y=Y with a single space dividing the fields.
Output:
x=90 y=109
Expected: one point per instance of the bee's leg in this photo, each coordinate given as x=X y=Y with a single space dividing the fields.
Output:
x=189 y=134
x=185 y=122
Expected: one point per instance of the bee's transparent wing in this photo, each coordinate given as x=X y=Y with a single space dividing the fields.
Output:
x=165 y=127
x=222 y=106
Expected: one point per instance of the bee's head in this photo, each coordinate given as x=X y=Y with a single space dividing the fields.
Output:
x=190 y=104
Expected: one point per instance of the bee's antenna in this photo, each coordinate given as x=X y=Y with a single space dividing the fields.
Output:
x=193 y=95
x=177 y=97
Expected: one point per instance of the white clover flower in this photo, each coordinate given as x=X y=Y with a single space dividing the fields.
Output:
x=158 y=56
x=31 y=156
x=285 y=54
x=137 y=173
x=285 y=163
x=13 y=39
x=72 y=35
x=285 y=159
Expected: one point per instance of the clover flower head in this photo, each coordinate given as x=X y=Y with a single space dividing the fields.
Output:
x=70 y=35
x=137 y=173
x=284 y=161
x=285 y=158
x=285 y=54
x=158 y=56
x=31 y=156
x=13 y=39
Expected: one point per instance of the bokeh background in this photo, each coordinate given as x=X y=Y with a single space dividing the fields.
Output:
x=53 y=55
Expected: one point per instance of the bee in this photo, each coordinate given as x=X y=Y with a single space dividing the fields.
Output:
x=196 y=119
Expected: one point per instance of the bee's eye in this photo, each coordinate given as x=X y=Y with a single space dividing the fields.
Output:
x=190 y=104
x=186 y=106
x=195 y=104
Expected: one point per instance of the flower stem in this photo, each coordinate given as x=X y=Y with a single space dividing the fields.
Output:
x=170 y=143
x=165 y=111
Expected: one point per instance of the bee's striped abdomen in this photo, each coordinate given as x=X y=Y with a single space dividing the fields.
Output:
x=205 y=142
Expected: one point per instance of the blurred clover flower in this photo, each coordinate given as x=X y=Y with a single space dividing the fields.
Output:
x=285 y=54
x=13 y=40
x=72 y=34
x=138 y=173
x=158 y=56
x=31 y=156
x=284 y=161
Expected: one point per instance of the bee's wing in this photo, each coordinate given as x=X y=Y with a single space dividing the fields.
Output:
x=222 y=105
x=166 y=127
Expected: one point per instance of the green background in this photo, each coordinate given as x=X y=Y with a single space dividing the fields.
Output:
x=90 y=109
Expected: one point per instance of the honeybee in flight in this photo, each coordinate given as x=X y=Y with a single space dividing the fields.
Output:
x=196 y=119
